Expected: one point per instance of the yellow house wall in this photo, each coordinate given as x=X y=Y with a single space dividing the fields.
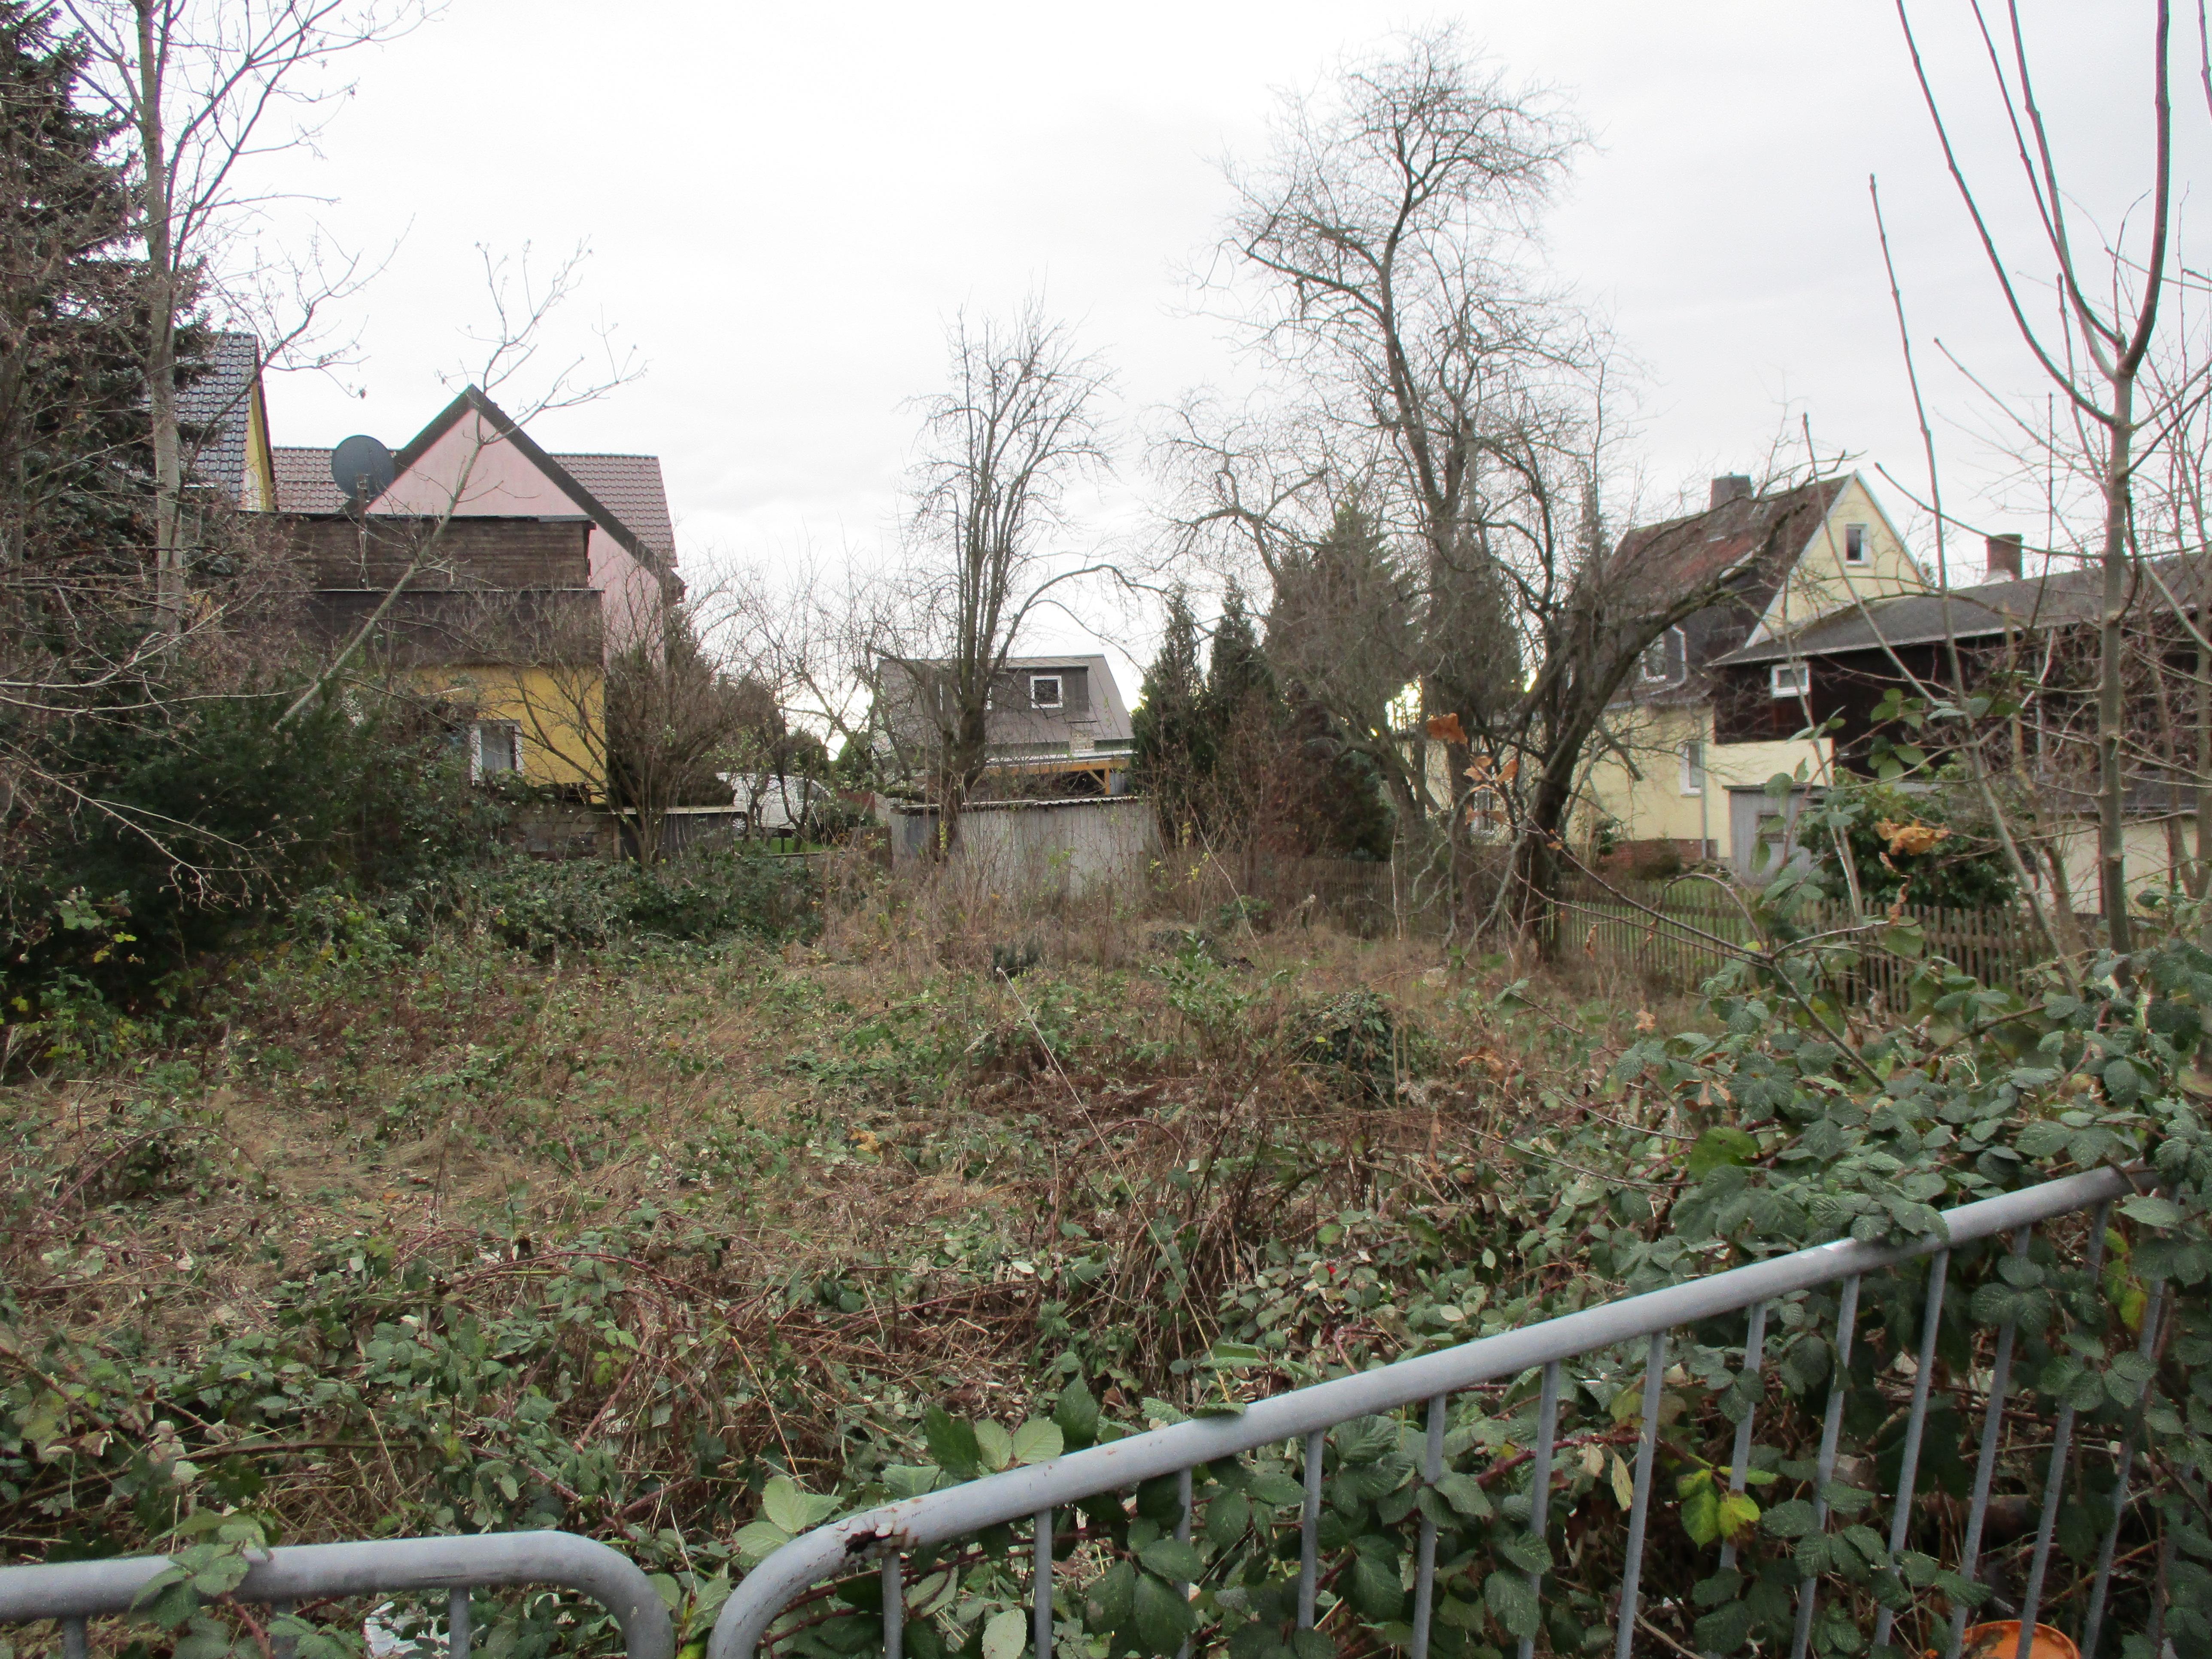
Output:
x=2151 y=861
x=561 y=713
x=1642 y=791
x=1651 y=806
x=1820 y=582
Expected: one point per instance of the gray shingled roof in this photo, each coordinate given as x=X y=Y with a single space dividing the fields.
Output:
x=218 y=404
x=628 y=486
x=2066 y=598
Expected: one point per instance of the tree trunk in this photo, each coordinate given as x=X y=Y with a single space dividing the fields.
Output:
x=161 y=298
x=2111 y=814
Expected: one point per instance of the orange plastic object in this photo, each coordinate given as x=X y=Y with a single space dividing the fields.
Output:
x=2001 y=1641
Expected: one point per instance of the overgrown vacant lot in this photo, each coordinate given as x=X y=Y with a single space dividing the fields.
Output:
x=678 y=1214
x=466 y=1234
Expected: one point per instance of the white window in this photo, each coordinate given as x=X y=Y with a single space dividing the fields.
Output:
x=1792 y=679
x=493 y=746
x=1693 y=767
x=1854 y=544
x=1653 y=663
x=1044 y=690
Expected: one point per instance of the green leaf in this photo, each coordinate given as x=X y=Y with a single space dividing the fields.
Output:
x=1793 y=1519
x=1277 y=1489
x=1173 y=1560
x=761 y=1539
x=1376 y=1589
x=911 y=1479
x=1718 y=1147
x=2153 y=1211
x=1739 y=1514
x=1226 y=1519
x=993 y=1445
x=1701 y=1516
x=1007 y=1634
x=1038 y=1441
x=1514 y=1602
x=1162 y=1617
x=952 y=1443
x=1523 y=1550
x=784 y=1504
x=1112 y=1600
x=1077 y=1415
x=1465 y=1493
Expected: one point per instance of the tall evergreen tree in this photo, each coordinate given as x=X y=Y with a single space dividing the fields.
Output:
x=73 y=457
x=1239 y=683
x=1172 y=752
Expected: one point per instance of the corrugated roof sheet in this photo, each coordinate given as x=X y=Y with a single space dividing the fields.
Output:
x=628 y=486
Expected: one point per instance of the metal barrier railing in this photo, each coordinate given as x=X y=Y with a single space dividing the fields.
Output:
x=74 y=1591
x=1304 y=1416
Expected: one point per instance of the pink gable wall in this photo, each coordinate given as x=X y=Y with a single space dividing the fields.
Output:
x=471 y=470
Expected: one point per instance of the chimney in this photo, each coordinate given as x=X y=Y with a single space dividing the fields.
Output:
x=1732 y=487
x=2004 y=557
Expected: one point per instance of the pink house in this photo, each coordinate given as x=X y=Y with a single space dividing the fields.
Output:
x=473 y=460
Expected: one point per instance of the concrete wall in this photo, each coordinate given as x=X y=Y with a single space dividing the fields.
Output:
x=1018 y=848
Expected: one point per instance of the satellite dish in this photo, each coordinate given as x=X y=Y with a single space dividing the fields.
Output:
x=361 y=468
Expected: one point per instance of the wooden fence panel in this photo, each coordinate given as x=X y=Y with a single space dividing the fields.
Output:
x=1681 y=934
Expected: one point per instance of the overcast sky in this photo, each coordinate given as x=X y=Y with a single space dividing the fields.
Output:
x=784 y=205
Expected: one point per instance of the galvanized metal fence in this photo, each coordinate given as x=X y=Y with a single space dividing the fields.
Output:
x=879 y=1541
x=1301 y=1420
x=73 y=1592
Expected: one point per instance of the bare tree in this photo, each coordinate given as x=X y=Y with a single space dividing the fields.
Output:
x=1425 y=371
x=202 y=89
x=1018 y=425
x=2094 y=350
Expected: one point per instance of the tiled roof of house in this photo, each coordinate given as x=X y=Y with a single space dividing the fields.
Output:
x=627 y=486
x=1688 y=553
x=304 y=483
x=216 y=409
x=2065 y=598
x=631 y=489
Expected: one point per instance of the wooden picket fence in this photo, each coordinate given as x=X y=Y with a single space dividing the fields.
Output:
x=1680 y=932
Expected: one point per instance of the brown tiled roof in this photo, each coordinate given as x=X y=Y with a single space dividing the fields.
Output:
x=631 y=489
x=1683 y=555
x=304 y=483
x=627 y=486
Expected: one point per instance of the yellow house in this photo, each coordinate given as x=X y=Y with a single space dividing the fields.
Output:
x=1655 y=779
x=495 y=618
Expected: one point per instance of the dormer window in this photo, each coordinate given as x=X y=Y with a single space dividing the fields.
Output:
x=1854 y=544
x=1044 y=690
x=1792 y=679
x=1654 y=666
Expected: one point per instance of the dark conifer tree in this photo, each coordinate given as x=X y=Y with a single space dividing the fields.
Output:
x=1173 y=751
x=73 y=461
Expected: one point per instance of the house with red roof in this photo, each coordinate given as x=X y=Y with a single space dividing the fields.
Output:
x=1663 y=781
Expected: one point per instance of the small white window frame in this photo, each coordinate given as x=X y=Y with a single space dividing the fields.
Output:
x=1691 y=751
x=477 y=729
x=1790 y=679
x=1860 y=535
x=1665 y=660
x=1059 y=684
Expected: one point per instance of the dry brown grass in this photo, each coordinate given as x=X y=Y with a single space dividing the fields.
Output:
x=488 y=1116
